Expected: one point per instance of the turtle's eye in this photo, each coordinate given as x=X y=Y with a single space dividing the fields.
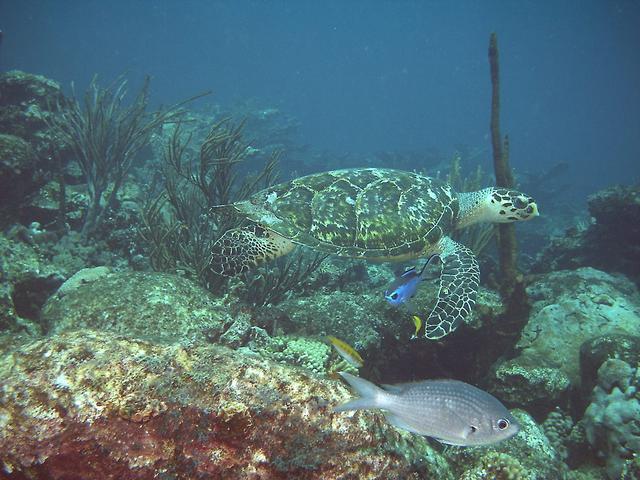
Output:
x=503 y=423
x=529 y=210
x=519 y=202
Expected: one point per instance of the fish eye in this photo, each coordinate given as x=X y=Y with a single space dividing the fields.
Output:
x=394 y=296
x=473 y=428
x=503 y=423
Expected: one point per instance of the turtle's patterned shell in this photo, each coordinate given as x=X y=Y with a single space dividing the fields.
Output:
x=359 y=212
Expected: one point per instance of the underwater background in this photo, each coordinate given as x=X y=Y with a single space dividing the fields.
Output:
x=126 y=354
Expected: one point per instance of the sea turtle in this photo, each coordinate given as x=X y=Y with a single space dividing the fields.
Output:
x=377 y=214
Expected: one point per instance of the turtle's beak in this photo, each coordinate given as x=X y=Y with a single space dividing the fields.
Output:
x=532 y=210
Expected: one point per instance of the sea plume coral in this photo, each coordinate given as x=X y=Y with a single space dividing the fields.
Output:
x=105 y=134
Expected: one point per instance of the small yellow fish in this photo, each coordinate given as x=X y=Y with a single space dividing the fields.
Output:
x=347 y=352
x=417 y=322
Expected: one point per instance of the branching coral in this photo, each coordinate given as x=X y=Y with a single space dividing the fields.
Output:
x=105 y=135
x=273 y=283
x=179 y=223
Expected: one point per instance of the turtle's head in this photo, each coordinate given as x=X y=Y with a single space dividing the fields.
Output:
x=507 y=206
x=497 y=205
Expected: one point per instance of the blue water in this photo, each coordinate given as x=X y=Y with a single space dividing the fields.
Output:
x=368 y=76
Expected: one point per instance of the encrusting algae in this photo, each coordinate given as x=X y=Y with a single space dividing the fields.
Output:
x=262 y=418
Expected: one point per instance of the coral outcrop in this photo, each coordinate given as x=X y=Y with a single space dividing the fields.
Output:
x=537 y=388
x=611 y=420
x=160 y=306
x=26 y=102
x=26 y=281
x=595 y=351
x=95 y=405
x=557 y=428
x=358 y=320
x=304 y=352
x=367 y=322
x=569 y=308
x=611 y=243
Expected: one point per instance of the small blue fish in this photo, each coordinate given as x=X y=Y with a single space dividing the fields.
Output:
x=405 y=286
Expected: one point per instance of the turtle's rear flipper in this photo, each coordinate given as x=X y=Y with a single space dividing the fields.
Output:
x=240 y=249
x=459 y=279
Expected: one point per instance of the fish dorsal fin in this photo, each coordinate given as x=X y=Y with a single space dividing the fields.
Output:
x=408 y=272
x=425 y=264
x=413 y=272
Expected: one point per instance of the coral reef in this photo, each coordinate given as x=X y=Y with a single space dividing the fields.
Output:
x=572 y=306
x=346 y=300
x=537 y=388
x=148 y=305
x=611 y=243
x=26 y=282
x=19 y=162
x=595 y=351
x=94 y=405
x=26 y=102
x=180 y=222
x=304 y=352
x=611 y=420
x=105 y=136
x=120 y=372
x=569 y=308
x=557 y=428
x=356 y=319
x=527 y=456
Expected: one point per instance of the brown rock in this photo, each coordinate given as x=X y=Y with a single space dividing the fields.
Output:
x=94 y=405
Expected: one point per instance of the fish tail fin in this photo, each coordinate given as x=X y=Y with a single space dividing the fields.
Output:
x=371 y=396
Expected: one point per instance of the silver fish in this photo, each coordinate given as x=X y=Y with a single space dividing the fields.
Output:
x=450 y=411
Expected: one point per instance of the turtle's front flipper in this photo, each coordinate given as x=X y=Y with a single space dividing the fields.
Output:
x=459 y=279
x=240 y=249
